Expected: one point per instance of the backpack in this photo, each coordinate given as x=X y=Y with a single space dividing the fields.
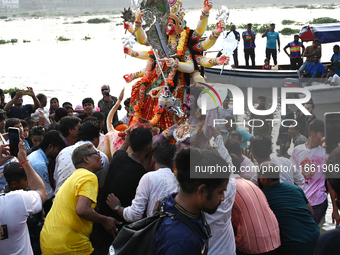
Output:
x=138 y=238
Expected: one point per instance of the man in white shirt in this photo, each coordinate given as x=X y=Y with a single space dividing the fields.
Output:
x=332 y=78
x=87 y=133
x=152 y=187
x=16 y=206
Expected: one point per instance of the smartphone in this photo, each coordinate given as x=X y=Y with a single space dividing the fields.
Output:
x=332 y=130
x=14 y=138
x=25 y=92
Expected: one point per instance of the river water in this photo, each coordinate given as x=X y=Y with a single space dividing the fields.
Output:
x=76 y=69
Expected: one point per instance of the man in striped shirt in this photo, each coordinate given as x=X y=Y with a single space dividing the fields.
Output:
x=295 y=53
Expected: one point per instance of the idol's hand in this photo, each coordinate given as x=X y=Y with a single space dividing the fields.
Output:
x=207 y=5
x=127 y=50
x=220 y=26
x=127 y=78
x=170 y=62
x=223 y=60
x=139 y=16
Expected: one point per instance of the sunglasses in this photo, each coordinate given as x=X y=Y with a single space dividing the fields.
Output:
x=93 y=153
x=104 y=89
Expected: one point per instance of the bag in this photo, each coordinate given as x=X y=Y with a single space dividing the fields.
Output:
x=138 y=238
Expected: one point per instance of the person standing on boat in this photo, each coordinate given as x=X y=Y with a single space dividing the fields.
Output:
x=249 y=45
x=335 y=59
x=309 y=53
x=237 y=37
x=272 y=37
x=295 y=53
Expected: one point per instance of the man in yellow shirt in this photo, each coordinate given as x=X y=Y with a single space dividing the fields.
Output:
x=69 y=223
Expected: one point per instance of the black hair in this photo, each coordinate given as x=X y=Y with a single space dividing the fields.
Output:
x=230 y=118
x=236 y=162
x=297 y=127
x=68 y=107
x=333 y=176
x=269 y=170
x=165 y=153
x=87 y=100
x=59 y=114
x=140 y=138
x=272 y=24
x=54 y=138
x=296 y=36
x=30 y=121
x=316 y=126
x=336 y=46
x=249 y=24
x=13 y=93
x=187 y=159
x=237 y=134
x=23 y=123
x=11 y=122
x=127 y=102
x=67 y=104
x=14 y=172
x=54 y=126
x=261 y=146
x=233 y=147
x=88 y=131
x=37 y=130
x=41 y=96
x=311 y=103
x=90 y=118
x=2 y=115
x=262 y=97
x=99 y=116
x=67 y=123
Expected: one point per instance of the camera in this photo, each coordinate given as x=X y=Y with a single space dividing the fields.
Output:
x=106 y=93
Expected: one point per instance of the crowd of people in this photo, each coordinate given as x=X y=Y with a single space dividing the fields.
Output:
x=61 y=195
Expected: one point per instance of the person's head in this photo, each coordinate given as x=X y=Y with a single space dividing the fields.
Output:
x=26 y=131
x=294 y=130
x=261 y=147
x=37 y=135
x=54 y=126
x=88 y=105
x=105 y=90
x=69 y=126
x=69 y=110
x=226 y=102
x=100 y=117
x=316 y=58
x=190 y=102
x=310 y=106
x=43 y=100
x=127 y=104
x=230 y=125
x=316 y=42
x=15 y=176
x=59 y=114
x=52 y=143
x=296 y=38
x=232 y=27
x=237 y=136
x=14 y=122
x=272 y=27
x=233 y=147
x=2 y=121
x=2 y=96
x=89 y=131
x=316 y=131
x=333 y=177
x=262 y=101
x=331 y=71
x=336 y=49
x=171 y=29
x=266 y=61
x=31 y=123
x=86 y=156
x=268 y=174
x=141 y=140
x=164 y=154
x=249 y=25
x=18 y=101
x=54 y=103
x=66 y=104
x=207 y=193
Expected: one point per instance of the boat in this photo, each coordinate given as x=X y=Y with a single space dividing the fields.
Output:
x=324 y=93
x=326 y=33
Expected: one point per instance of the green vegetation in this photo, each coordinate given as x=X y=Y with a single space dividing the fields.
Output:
x=323 y=20
x=86 y=14
x=25 y=14
x=3 y=17
x=119 y=24
x=312 y=7
x=287 y=22
x=63 y=39
x=8 y=20
x=289 y=31
x=26 y=41
x=96 y=21
x=9 y=91
x=301 y=6
x=86 y=38
x=287 y=7
x=9 y=41
x=211 y=27
x=78 y=22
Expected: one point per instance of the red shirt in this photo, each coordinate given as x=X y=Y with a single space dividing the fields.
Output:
x=266 y=67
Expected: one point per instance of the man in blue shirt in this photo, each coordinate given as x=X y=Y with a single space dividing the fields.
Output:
x=249 y=45
x=196 y=195
x=336 y=59
x=272 y=37
x=314 y=70
x=15 y=108
x=52 y=143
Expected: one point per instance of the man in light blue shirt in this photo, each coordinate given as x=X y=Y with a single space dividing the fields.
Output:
x=272 y=37
x=52 y=143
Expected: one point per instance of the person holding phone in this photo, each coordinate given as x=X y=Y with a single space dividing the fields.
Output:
x=15 y=108
x=106 y=103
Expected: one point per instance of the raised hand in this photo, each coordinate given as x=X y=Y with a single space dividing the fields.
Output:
x=127 y=50
x=220 y=26
x=128 y=77
x=207 y=5
x=223 y=60
x=139 y=16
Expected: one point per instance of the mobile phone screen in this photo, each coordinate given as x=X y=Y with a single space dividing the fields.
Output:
x=14 y=139
x=332 y=130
